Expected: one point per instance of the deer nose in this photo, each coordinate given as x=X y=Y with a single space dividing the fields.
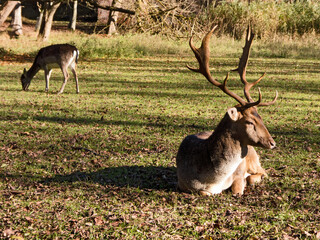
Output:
x=272 y=144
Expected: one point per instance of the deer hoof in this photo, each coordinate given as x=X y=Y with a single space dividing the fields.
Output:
x=254 y=179
x=205 y=193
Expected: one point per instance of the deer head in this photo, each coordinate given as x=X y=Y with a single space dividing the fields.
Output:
x=247 y=123
x=25 y=80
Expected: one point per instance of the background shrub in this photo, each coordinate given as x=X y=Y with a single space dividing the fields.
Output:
x=268 y=17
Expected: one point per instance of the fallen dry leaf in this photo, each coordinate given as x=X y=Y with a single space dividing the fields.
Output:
x=98 y=221
x=8 y=232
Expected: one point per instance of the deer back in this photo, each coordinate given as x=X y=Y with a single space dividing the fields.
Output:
x=57 y=55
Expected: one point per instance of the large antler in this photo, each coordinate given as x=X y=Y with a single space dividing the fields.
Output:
x=202 y=54
x=242 y=68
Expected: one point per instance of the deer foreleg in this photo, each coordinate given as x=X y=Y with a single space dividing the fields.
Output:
x=238 y=186
x=255 y=178
x=257 y=173
x=47 y=74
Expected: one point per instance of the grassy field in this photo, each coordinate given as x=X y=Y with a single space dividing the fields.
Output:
x=101 y=164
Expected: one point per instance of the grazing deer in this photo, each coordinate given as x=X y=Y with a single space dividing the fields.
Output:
x=211 y=162
x=61 y=56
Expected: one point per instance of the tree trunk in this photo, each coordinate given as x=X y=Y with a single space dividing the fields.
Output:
x=7 y=9
x=103 y=14
x=73 y=20
x=16 y=22
x=107 y=17
x=39 y=22
x=40 y=18
x=50 y=9
x=113 y=17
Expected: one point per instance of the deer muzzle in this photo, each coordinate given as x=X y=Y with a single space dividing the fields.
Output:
x=267 y=143
x=272 y=143
x=25 y=86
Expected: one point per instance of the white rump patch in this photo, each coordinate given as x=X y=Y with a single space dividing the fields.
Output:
x=74 y=57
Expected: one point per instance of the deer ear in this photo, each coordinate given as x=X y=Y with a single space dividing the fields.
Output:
x=24 y=71
x=233 y=114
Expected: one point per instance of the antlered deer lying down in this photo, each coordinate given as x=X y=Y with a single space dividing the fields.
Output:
x=61 y=56
x=211 y=162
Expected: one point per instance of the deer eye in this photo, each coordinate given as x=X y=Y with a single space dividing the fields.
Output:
x=249 y=123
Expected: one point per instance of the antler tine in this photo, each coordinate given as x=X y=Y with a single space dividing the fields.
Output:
x=269 y=103
x=243 y=62
x=202 y=54
x=242 y=67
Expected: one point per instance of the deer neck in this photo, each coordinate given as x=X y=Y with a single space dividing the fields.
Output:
x=33 y=70
x=226 y=142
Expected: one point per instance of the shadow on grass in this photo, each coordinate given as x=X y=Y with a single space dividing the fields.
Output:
x=146 y=120
x=9 y=56
x=142 y=177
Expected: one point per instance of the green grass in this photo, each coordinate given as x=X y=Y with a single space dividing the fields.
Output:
x=101 y=164
x=143 y=45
